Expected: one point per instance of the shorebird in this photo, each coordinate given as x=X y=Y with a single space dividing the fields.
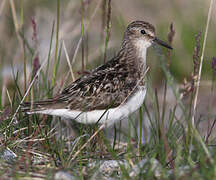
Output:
x=111 y=91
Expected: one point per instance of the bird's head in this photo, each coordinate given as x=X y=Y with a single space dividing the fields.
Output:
x=143 y=35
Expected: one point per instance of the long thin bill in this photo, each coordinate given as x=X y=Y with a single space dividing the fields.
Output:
x=162 y=43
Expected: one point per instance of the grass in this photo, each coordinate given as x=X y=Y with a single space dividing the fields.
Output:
x=165 y=141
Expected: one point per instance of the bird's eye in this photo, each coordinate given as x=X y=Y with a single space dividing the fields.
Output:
x=143 y=31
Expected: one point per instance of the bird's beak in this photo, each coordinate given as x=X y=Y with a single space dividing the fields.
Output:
x=162 y=43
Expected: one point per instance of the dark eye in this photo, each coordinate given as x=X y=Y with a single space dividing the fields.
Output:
x=143 y=31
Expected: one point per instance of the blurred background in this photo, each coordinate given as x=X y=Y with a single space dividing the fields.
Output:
x=26 y=38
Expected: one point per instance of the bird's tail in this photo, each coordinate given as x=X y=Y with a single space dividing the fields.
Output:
x=34 y=107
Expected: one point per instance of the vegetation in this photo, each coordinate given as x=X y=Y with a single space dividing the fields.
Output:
x=45 y=45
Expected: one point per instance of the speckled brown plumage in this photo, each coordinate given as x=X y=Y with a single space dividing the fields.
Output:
x=110 y=84
x=106 y=86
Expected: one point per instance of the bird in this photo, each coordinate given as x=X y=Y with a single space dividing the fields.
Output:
x=110 y=92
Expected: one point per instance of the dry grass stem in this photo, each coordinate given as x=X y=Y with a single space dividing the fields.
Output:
x=68 y=61
x=9 y=98
x=16 y=24
x=201 y=63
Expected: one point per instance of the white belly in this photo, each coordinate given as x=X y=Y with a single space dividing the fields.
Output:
x=102 y=116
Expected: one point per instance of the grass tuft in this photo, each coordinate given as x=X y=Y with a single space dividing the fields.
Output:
x=171 y=137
